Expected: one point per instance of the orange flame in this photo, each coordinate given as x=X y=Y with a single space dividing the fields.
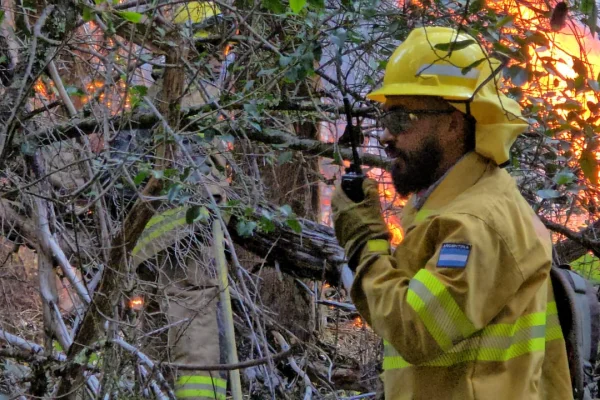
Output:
x=358 y=322
x=136 y=303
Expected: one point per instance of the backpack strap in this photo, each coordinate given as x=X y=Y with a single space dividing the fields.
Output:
x=583 y=305
x=570 y=325
x=579 y=314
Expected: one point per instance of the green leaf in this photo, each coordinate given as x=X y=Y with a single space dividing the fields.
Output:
x=587 y=6
x=505 y=21
x=518 y=75
x=131 y=16
x=592 y=20
x=286 y=210
x=140 y=90
x=267 y=72
x=274 y=5
x=245 y=228
x=338 y=38
x=1 y=16
x=74 y=91
x=173 y=192
x=284 y=61
x=88 y=14
x=564 y=178
x=266 y=225
x=318 y=4
x=456 y=45
x=297 y=5
x=285 y=157
x=548 y=193
x=573 y=105
x=197 y=213
x=28 y=148
x=140 y=177
x=294 y=225
x=57 y=347
x=476 y=6
x=589 y=166
x=466 y=69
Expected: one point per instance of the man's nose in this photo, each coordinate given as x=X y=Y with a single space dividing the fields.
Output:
x=386 y=138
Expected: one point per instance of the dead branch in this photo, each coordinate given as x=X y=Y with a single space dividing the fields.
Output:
x=107 y=297
x=229 y=367
x=576 y=244
x=146 y=361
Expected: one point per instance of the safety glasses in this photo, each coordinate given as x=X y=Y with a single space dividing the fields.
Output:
x=398 y=120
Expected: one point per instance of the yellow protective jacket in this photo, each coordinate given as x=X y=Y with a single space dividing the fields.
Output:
x=465 y=303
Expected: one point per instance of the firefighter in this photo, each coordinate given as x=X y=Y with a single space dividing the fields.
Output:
x=464 y=303
x=181 y=256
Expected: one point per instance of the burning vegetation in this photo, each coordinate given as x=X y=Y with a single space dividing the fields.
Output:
x=95 y=134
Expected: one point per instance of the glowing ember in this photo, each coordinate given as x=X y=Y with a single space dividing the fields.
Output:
x=358 y=322
x=40 y=88
x=136 y=303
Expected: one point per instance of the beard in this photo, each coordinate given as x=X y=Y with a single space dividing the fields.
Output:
x=417 y=170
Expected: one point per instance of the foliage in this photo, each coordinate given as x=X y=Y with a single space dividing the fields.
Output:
x=108 y=109
x=589 y=267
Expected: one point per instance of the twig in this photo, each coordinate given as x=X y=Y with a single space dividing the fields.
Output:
x=360 y=396
x=231 y=367
x=146 y=360
x=61 y=88
x=7 y=135
x=344 y=306
x=308 y=384
x=593 y=245
x=26 y=345
x=155 y=388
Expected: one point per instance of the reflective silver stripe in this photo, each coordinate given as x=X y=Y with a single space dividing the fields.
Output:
x=447 y=70
x=443 y=321
x=496 y=342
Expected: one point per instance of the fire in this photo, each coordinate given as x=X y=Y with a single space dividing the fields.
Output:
x=563 y=65
x=358 y=322
x=391 y=203
x=41 y=88
x=136 y=303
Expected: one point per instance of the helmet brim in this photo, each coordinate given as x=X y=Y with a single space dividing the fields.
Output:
x=411 y=89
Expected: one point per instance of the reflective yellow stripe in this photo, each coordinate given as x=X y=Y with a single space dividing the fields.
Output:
x=434 y=329
x=495 y=343
x=201 y=379
x=394 y=362
x=198 y=393
x=454 y=325
x=200 y=387
x=144 y=240
x=422 y=215
x=378 y=246
x=163 y=216
x=553 y=329
x=508 y=330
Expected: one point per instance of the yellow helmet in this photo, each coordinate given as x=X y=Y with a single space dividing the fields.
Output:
x=442 y=62
x=198 y=13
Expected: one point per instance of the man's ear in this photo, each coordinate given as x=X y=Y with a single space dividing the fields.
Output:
x=456 y=121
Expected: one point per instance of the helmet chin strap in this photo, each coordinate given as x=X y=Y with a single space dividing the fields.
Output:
x=468 y=101
x=469 y=117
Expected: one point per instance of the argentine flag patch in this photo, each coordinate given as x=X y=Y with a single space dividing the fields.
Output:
x=454 y=255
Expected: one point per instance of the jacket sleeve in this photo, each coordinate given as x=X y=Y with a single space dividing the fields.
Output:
x=428 y=296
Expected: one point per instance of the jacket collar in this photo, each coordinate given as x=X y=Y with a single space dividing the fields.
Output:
x=464 y=174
